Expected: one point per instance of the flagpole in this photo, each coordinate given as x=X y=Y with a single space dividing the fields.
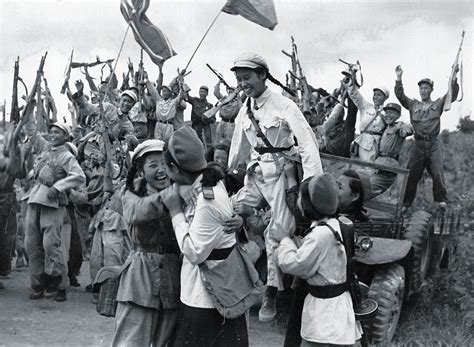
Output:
x=202 y=39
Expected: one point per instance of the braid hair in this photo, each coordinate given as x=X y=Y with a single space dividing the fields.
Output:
x=272 y=79
x=129 y=183
x=278 y=83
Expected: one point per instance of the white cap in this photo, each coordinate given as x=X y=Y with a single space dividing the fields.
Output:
x=383 y=90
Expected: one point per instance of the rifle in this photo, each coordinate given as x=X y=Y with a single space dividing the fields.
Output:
x=75 y=65
x=15 y=112
x=219 y=76
x=30 y=97
x=67 y=73
x=229 y=98
x=4 y=120
x=354 y=71
x=449 y=95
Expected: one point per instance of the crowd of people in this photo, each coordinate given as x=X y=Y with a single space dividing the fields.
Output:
x=176 y=208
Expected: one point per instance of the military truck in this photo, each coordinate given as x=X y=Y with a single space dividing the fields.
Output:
x=396 y=251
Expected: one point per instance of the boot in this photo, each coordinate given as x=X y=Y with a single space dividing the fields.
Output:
x=73 y=282
x=60 y=295
x=268 y=310
x=37 y=293
x=52 y=285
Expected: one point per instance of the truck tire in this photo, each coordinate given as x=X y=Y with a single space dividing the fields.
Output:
x=419 y=231
x=387 y=288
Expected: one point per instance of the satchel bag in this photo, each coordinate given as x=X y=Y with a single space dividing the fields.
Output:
x=233 y=284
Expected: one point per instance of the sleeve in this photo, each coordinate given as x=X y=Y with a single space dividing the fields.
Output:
x=307 y=144
x=302 y=262
x=217 y=91
x=357 y=97
x=406 y=128
x=75 y=176
x=400 y=93
x=198 y=239
x=153 y=92
x=337 y=114
x=138 y=210
x=239 y=146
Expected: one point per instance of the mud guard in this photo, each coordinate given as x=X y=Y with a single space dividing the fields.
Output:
x=383 y=251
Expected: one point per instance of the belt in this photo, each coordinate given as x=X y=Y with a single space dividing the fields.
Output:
x=330 y=291
x=425 y=138
x=372 y=133
x=263 y=150
x=220 y=253
x=160 y=249
x=227 y=120
x=165 y=121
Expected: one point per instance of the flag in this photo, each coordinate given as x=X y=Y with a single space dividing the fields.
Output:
x=148 y=36
x=261 y=12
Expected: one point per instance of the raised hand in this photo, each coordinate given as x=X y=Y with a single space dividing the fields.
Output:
x=399 y=72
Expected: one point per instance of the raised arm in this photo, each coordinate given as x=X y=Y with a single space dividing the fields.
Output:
x=217 y=90
x=399 y=91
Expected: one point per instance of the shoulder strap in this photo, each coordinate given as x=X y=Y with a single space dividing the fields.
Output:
x=334 y=232
x=371 y=121
x=261 y=135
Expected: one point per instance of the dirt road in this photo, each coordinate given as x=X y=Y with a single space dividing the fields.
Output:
x=75 y=322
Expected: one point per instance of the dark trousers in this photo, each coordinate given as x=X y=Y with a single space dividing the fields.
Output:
x=426 y=155
x=7 y=232
x=202 y=327
x=293 y=329
x=75 y=249
x=203 y=131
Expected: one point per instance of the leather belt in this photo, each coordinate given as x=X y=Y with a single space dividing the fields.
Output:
x=372 y=133
x=160 y=249
x=425 y=138
x=165 y=121
x=263 y=150
x=329 y=291
x=220 y=253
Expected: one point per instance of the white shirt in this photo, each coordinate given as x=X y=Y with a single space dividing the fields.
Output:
x=321 y=260
x=199 y=231
x=367 y=112
x=280 y=120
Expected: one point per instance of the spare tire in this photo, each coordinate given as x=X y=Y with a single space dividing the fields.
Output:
x=387 y=288
x=419 y=231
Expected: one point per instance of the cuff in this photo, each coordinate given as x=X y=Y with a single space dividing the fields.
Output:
x=178 y=219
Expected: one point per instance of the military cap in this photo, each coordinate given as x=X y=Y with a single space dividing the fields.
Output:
x=62 y=127
x=383 y=90
x=249 y=61
x=393 y=106
x=131 y=94
x=146 y=147
x=324 y=194
x=204 y=87
x=427 y=81
x=187 y=150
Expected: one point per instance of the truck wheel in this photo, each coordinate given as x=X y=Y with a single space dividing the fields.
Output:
x=387 y=288
x=419 y=231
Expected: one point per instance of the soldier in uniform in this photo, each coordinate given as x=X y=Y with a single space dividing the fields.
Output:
x=10 y=168
x=56 y=171
x=270 y=171
x=200 y=123
x=425 y=116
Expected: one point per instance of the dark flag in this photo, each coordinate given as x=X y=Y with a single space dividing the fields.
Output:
x=148 y=36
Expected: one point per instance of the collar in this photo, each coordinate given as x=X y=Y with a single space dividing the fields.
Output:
x=262 y=99
x=150 y=190
x=197 y=182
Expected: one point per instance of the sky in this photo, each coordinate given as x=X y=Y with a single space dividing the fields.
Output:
x=421 y=36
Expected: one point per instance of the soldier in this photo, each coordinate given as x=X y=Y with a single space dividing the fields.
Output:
x=365 y=146
x=200 y=123
x=56 y=171
x=225 y=128
x=390 y=145
x=265 y=129
x=10 y=168
x=427 y=153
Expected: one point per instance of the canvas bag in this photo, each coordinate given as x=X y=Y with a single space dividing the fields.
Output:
x=233 y=284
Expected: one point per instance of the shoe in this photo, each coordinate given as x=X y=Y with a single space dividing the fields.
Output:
x=37 y=294
x=73 y=282
x=89 y=288
x=60 y=295
x=443 y=205
x=268 y=311
x=20 y=262
x=52 y=285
